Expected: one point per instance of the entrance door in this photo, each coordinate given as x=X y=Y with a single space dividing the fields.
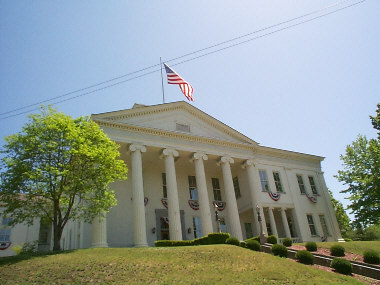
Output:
x=162 y=224
x=164 y=229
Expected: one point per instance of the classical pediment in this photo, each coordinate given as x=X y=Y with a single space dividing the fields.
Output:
x=178 y=117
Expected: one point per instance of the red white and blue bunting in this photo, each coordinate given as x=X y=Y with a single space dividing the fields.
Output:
x=221 y=205
x=312 y=198
x=166 y=220
x=164 y=202
x=146 y=201
x=274 y=196
x=5 y=245
x=194 y=204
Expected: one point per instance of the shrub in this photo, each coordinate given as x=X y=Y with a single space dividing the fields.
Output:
x=233 y=241
x=272 y=239
x=371 y=256
x=253 y=245
x=26 y=248
x=201 y=241
x=163 y=243
x=280 y=250
x=243 y=244
x=311 y=246
x=347 y=239
x=305 y=257
x=218 y=238
x=341 y=265
x=337 y=250
x=287 y=242
x=256 y=238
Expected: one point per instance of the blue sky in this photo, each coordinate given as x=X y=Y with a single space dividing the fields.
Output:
x=308 y=89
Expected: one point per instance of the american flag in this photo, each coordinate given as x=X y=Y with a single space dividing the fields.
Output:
x=174 y=78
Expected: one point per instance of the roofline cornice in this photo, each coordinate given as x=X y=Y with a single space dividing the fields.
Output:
x=176 y=135
x=148 y=110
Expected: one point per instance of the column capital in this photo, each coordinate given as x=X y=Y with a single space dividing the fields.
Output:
x=248 y=163
x=134 y=147
x=199 y=155
x=283 y=209
x=169 y=152
x=225 y=160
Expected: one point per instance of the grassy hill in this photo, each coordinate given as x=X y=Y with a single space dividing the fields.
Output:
x=210 y=264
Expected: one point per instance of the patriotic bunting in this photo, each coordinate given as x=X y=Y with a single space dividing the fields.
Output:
x=221 y=205
x=312 y=198
x=274 y=196
x=194 y=204
x=164 y=202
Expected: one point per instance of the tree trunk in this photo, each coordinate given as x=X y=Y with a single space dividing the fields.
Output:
x=57 y=238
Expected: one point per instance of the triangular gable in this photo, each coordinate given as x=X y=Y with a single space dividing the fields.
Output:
x=175 y=117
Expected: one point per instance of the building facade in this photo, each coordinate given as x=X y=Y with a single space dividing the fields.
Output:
x=183 y=166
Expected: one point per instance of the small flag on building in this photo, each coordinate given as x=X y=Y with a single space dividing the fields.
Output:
x=174 y=78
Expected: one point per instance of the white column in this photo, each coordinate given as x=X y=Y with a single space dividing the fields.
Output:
x=99 y=232
x=139 y=223
x=250 y=168
x=233 y=213
x=204 y=204
x=272 y=222
x=285 y=223
x=175 y=230
x=326 y=196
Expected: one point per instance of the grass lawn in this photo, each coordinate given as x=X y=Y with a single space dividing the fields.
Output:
x=209 y=264
x=357 y=247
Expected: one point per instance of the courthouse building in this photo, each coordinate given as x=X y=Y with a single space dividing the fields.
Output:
x=183 y=166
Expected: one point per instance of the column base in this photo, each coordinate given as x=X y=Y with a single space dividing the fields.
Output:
x=99 y=244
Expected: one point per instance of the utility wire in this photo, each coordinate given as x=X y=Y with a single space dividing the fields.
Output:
x=184 y=61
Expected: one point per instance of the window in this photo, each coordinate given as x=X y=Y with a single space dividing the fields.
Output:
x=223 y=227
x=312 y=185
x=197 y=227
x=193 y=188
x=182 y=128
x=277 y=181
x=324 y=225
x=264 y=181
x=311 y=225
x=5 y=232
x=248 y=230
x=300 y=184
x=236 y=187
x=216 y=189
x=164 y=189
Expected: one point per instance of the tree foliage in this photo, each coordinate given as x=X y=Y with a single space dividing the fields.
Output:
x=362 y=176
x=341 y=215
x=58 y=168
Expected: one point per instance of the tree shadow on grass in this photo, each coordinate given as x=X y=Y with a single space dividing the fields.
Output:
x=9 y=260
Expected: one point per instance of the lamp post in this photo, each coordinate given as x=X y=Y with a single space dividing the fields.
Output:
x=263 y=238
x=217 y=217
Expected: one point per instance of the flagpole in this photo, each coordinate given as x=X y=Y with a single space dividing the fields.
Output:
x=162 y=84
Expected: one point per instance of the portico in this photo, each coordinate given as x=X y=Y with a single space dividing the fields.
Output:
x=181 y=161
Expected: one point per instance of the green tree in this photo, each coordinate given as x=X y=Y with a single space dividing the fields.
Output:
x=362 y=176
x=58 y=168
x=341 y=215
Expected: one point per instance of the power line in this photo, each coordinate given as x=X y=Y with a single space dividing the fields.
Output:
x=173 y=59
x=184 y=61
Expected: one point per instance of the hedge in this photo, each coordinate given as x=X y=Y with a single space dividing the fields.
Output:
x=311 y=246
x=212 y=238
x=287 y=242
x=305 y=257
x=372 y=257
x=253 y=245
x=337 y=250
x=280 y=250
x=233 y=241
x=341 y=265
x=272 y=239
